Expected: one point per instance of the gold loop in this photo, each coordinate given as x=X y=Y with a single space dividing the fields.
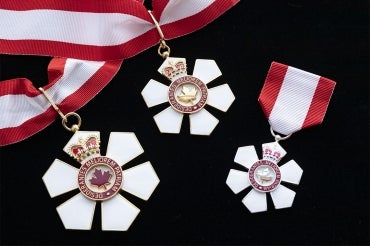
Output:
x=74 y=127
x=166 y=49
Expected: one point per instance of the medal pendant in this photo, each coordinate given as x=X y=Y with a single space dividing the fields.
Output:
x=292 y=100
x=100 y=179
x=264 y=176
x=187 y=94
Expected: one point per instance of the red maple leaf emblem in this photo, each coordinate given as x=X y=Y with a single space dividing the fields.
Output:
x=100 y=179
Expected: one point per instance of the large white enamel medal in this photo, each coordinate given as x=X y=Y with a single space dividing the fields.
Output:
x=100 y=179
x=187 y=94
x=264 y=176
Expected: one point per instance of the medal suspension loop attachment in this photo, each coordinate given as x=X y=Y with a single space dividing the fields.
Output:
x=74 y=127
x=278 y=137
x=163 y=49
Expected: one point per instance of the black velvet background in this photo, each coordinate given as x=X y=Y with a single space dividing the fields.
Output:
x=192 y=204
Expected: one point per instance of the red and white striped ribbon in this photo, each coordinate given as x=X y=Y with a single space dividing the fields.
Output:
x=25 y=111
x=293 y=99
x=92 y=30
x=98 y=30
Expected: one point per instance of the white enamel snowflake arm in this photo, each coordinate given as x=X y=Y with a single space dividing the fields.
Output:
x=169 y=121
x=291 y=172
x=60 y=178
x=77 y=213
x=282 y=197
x=246 y=156
x=118 y=214
x=155 y=93
x=237 y=180
x=202 y=123
x=140 y=180
x=217 y=93
x=255 y=201
x=206 y=70
x=123 y=147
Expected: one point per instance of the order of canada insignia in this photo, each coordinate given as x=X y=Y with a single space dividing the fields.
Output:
x=100 y=179
x=264 y=176
x=188 y=94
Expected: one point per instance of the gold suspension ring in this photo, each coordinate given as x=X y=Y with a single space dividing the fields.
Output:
x=74 y=127
x=163 y=49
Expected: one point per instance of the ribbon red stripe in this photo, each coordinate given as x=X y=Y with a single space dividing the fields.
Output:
x=158 y=7
x=55 y=71
x=95 y=6
x=28 y=128
x=60 y=49
x=319 y=103
x=271 y=87
x=18 y=86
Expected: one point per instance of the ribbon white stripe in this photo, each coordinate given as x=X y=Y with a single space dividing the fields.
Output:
x=177 y=10
x=294 y=100
x=20 y=108
x=101 y=29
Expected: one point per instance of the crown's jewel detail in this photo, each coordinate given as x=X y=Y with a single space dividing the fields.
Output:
x=85 y=149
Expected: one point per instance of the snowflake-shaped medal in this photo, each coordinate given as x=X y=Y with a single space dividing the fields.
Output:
x=264 y=176
x=188 y=94
x=100 y=178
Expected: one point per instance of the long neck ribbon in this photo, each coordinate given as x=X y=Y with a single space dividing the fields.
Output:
x=100 y=34
x=98 y=30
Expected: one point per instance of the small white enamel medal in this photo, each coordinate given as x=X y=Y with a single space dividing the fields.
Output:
x=292 y=99
x=186 y=94
x=99 y=178
x=264 y=176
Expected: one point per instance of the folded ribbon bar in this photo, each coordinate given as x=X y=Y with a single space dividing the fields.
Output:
x=293 y=99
